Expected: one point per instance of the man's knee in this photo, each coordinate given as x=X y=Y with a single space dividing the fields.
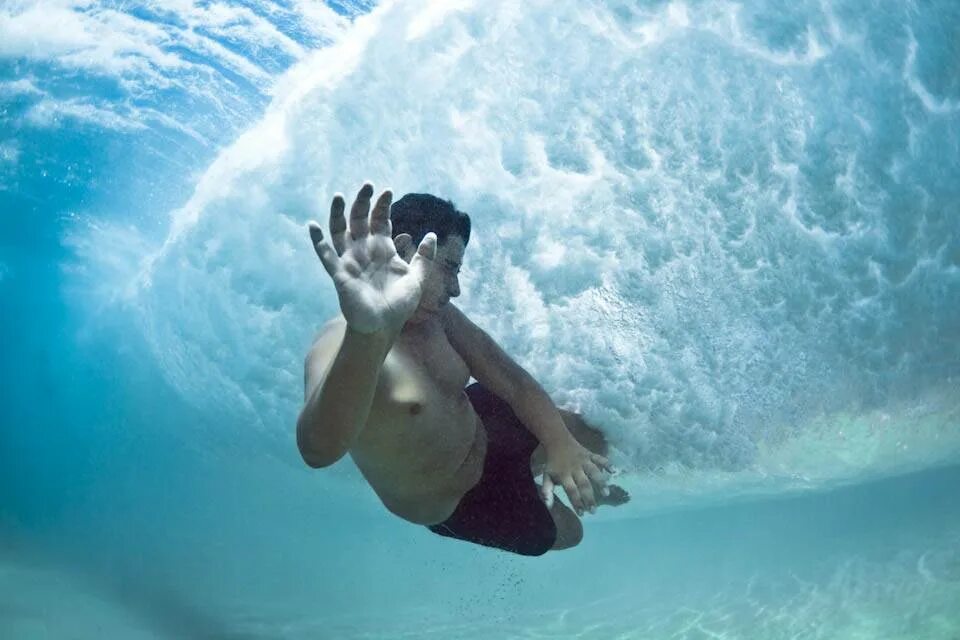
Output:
x=569 y=527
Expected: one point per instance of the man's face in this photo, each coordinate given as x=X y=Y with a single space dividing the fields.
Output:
x=443 y=281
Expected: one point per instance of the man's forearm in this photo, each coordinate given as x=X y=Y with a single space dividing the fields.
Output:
x=537 y=412
x=337 y=409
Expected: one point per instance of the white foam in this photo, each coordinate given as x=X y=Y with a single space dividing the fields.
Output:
x=53 y=113
x=9 y=152
x=927 y=99
x=665 y=236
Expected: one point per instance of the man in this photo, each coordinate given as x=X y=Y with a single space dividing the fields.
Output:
x=385 y=382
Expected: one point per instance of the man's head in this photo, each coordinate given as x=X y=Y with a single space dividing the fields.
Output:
x=416 y=214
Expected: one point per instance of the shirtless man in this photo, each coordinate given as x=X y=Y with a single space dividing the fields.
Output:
x=385 y=382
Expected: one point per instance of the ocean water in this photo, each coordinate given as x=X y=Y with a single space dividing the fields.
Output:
x=726 y=233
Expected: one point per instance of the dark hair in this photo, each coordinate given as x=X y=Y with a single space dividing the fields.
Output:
x=421 y=213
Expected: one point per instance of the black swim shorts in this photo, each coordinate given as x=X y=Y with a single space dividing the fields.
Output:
x=504 y=509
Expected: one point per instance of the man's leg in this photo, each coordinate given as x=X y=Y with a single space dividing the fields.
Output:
x=569 y=527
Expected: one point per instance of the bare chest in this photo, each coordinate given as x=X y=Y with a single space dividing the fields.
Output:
x=432 y=365
x=422 y=426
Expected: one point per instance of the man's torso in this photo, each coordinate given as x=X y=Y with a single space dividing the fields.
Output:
x=423 y=445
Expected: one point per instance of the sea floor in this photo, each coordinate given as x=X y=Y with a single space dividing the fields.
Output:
x=875 y=561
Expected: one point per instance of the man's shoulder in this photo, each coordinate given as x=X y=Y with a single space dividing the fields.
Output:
x=452 y=319
x=460 y=330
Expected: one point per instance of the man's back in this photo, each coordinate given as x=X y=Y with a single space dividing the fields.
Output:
x=422 y=446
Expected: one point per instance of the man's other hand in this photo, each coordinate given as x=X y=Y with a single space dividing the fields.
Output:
x=579 y=471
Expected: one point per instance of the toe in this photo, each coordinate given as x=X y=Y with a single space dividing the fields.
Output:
x=617 y=495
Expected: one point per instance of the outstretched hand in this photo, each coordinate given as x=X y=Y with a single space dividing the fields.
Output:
x=377 y=289
x=579 y=471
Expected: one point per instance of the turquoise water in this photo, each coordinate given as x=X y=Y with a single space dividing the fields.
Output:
x=727 y=233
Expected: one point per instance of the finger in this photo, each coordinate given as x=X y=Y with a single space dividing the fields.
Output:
x=546 y=491
x=428 y=246
x=596 y=475
x=574 y=494
x=338 y=224
x=380 y=217
x=403 y=243
x=359 y=212
x=587 y=497
x=602 y=462
x=420 y=264
x=324 y=251
x=412 y=281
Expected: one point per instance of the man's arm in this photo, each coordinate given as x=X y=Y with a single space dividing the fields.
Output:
x=568 y=463
x=497 y=371
x=340 y=374
x=378 y=292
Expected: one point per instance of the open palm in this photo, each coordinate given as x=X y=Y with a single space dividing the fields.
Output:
x=377 y=289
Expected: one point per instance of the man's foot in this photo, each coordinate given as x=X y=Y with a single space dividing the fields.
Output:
x=616 y=496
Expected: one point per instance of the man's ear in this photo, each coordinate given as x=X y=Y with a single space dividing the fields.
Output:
x=404 y=244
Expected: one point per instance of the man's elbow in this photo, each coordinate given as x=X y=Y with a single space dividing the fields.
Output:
x=315 y=460
x=316 y=455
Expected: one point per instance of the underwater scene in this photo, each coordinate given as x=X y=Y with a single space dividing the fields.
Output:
x=725 y=234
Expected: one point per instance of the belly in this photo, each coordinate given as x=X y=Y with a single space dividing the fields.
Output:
x=422 y=476
x=435 y=506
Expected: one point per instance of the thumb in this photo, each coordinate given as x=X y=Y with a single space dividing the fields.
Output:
x=425 y=255
x=546 y=491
